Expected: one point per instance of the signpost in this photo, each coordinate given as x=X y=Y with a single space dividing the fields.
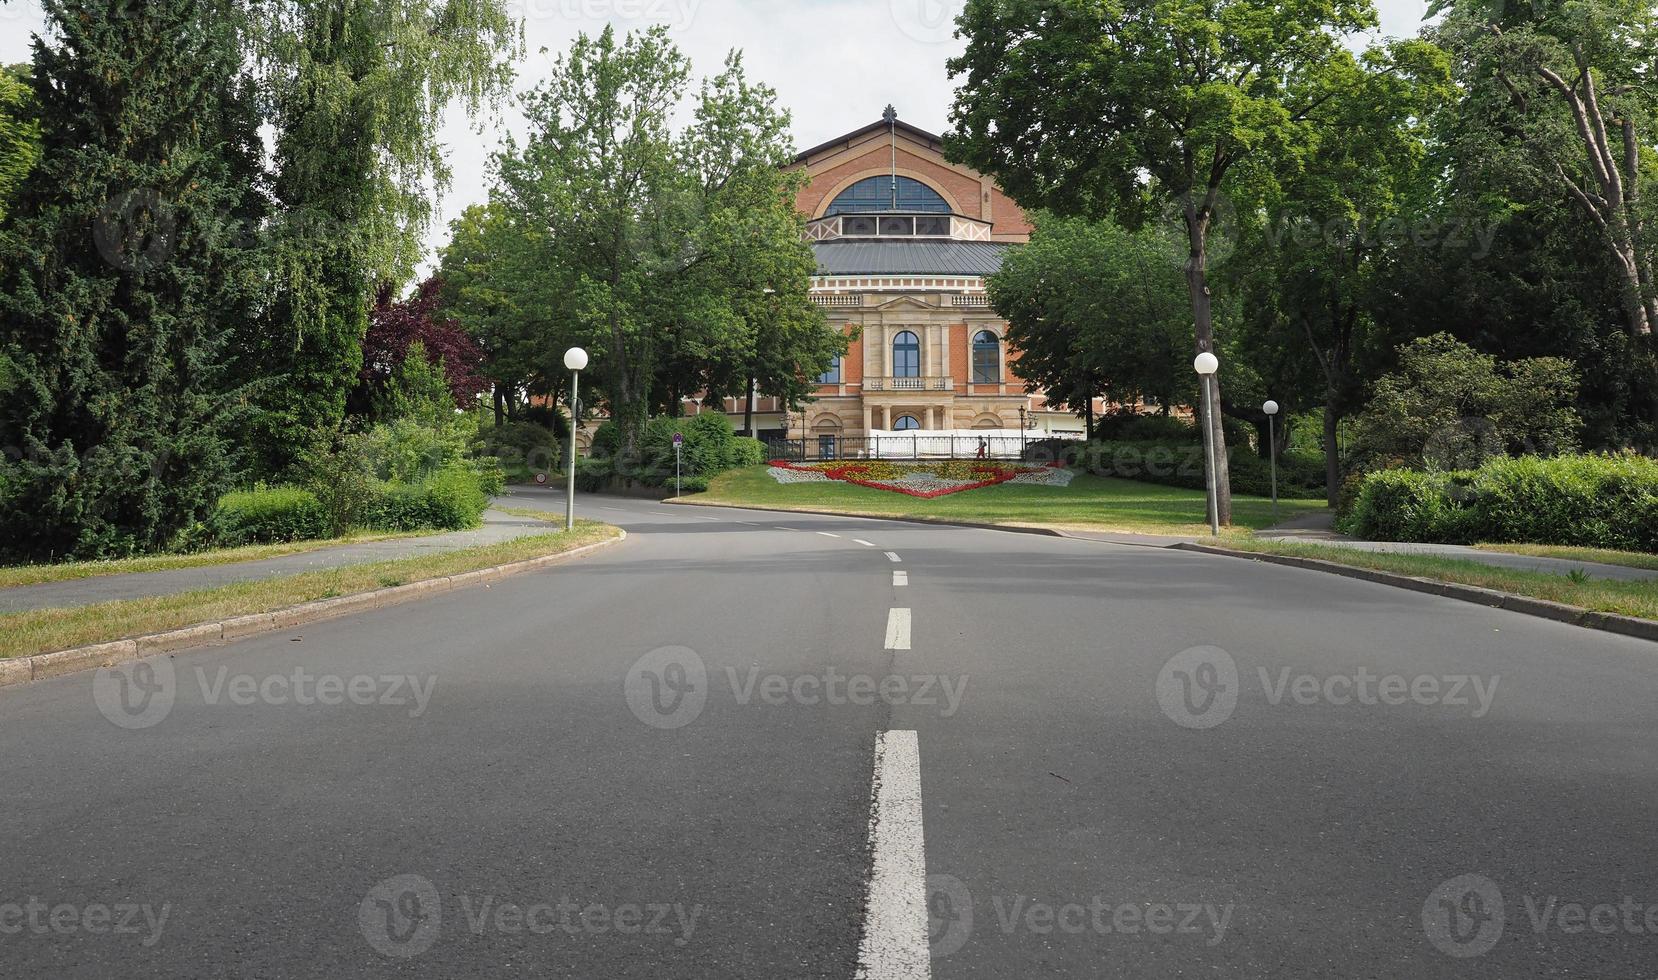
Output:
x=679 y=441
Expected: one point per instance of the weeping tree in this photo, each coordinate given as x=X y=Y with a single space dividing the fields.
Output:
x=356 y=90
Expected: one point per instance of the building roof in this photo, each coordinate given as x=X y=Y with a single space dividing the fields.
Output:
x=909 y=258
x=915 y=132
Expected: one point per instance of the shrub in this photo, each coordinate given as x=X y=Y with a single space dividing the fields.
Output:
x=523 y=448
x=593 y=473
x=268 y=516
x=406 y=451
x=692 y=484
x=1584 y=500
x=747 y=452
x=450 y=500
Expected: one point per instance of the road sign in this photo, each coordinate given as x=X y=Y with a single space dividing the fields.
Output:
x=679 y=439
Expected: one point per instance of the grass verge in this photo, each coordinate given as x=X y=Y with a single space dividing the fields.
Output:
x=35 y=631
x=1090 y=502
x=1631 y=559
x=16 y=575
x=1639 y=599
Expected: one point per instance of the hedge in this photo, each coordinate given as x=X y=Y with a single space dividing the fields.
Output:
x=452 y=499
x=1180 y=464
x=1598 y=501
x=267 y=516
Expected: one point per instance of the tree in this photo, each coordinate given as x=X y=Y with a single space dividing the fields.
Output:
x=19 y=131
x=395 y=329
x=1450 y=407
x=356 y=91
x=1117 y=108
x=1320 y=257
x=117 y=274
x=1563 y=102
x=1093 y=309
x=660 y=248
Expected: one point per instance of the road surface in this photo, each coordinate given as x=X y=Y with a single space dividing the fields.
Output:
x=1088 y=761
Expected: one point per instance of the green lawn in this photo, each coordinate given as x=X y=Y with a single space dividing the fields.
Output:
x=1639 y=599
x=58 y=628
x=15 y=575
x=1090 y=502
x=1633 y=559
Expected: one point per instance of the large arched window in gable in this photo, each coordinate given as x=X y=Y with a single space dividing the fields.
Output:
x=906 y=355
x=875 y=194
x=987 y=358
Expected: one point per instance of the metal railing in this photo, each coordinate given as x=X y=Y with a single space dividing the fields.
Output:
x=1038 y=446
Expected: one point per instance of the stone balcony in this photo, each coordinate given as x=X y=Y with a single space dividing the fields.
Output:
x=934 y=383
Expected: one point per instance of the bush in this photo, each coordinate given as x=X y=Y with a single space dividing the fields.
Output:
x=747 y=452
x=523 y=448
x=450 y=500
x=1582 y=500
x=593 y=473
x=1145 y=428
x=267 y=516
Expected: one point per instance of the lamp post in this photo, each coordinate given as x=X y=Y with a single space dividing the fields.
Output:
x=1271 y=408
x=1206 y=365
x=575 y=359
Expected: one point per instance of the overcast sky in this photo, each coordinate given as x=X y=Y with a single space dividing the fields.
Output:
x=835 y=63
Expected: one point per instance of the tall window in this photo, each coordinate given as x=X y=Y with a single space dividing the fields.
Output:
x=833 y=375
x=987 y=358
x=875 y=194
x=905 y=423
x=906 y=355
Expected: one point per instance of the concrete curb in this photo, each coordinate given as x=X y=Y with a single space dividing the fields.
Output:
x=1044 y=531
x=1644 y=629
x=22 y=670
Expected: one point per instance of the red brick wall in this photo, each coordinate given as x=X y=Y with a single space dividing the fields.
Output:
x=962 y=187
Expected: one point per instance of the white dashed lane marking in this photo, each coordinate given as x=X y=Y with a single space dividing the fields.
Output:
x=828 y=535
x=892 y=556
x=866 y=544
x=900 y=578
x=898 y=629
x=894 y=946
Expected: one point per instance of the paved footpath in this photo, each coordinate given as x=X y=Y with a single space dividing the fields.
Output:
x=497 y=527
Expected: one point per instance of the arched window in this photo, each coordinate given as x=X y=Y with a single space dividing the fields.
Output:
x=906 y=355
x=987 y=358
x=876 y=194
x=905 y=423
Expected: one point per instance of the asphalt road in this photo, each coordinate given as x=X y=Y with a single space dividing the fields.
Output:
x=658 y=762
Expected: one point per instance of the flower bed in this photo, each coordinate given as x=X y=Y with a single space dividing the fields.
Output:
x=919 y=479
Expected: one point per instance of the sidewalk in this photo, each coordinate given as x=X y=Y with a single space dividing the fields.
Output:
x=497 y=528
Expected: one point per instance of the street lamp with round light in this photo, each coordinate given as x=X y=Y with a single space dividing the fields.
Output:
x=576 y=360
x=1271 y=410
x=1206 y=365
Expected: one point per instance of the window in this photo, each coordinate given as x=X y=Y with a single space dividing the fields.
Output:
x=905 y=423
x=833 y=375
x=933 y=227
x=906 y=355
x=876 y=194
x=987 y=358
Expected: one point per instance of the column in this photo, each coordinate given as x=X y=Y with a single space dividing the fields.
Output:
x=886 y=351
x=869 y=421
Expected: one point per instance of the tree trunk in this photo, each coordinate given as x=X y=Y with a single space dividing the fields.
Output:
x=1332 y=458
x=1088 y=420
x=500 y=407
x=1197 y=281
x=748 y=408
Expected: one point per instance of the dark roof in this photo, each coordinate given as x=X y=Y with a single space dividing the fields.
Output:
x=909 y=258
x=880 y=124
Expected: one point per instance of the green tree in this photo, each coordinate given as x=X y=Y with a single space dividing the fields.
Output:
x=116 y=271
x=1320 y=256
x=1449 y=407
x=19 y=131
x=356 y=91
x=1092 y=310
x=1123 y=107
x=664 y=249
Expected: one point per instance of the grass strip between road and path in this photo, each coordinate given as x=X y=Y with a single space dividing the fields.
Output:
x=17 y=575
x=1090 y=502
x=1638 y=599
x=1604 y=556
x=36 y=631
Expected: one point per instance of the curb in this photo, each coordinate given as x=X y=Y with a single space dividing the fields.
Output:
x=1643 y=629
x=22 y=670
x=937 y=522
